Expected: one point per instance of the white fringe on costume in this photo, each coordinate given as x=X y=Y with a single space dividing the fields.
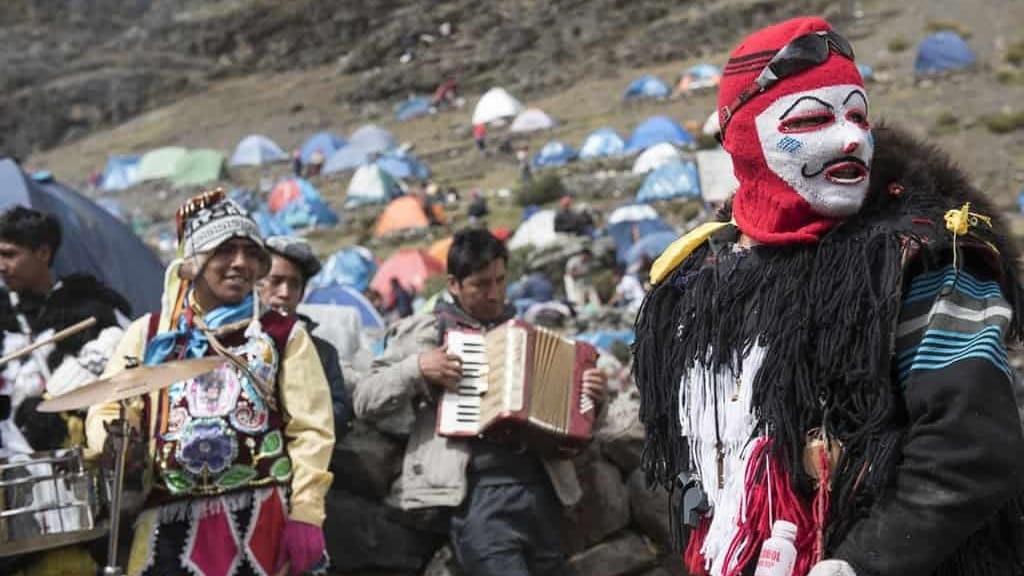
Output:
x=734 y=425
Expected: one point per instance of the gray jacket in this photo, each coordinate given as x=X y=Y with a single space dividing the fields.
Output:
x=396 y=398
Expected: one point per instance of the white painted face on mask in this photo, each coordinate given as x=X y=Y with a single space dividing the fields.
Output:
x=819 y=142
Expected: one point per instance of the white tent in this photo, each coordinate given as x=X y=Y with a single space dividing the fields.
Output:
x=632 y=213
x=717 y=182
x=711 y=124
x=256 y=149
x=538 y=231
x=496 y=104
x=372 y=185
x=531 y=120
x=655 y=156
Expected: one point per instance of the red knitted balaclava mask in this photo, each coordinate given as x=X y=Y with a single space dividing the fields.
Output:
x=802 y=149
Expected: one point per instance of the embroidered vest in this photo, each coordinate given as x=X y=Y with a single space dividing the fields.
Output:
x=215 y=433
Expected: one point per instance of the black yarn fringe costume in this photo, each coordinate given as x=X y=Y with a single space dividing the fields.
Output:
x=826 y=314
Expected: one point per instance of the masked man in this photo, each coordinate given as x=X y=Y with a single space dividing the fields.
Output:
x=237 y=457
x=834 y=356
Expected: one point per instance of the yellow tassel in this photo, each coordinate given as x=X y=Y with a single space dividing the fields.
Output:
x=681 y=248
x=959 y=222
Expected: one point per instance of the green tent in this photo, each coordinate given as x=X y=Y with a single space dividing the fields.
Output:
x=160 y=163
x=198 y=167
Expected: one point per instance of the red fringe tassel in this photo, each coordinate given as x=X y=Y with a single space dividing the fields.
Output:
x=693 y=559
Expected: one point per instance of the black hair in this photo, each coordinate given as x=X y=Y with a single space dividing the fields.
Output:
x=30 y=228
x=473 y=250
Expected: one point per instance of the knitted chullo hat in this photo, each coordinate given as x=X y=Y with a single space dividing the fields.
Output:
x=204 y=223
x=765 y=207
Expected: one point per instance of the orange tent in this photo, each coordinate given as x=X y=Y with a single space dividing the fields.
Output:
x=439 y=250
x=412 y=267
x=283 y=194
x=403 y=213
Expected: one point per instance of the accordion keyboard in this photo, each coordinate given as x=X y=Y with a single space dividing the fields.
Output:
x=461 y=411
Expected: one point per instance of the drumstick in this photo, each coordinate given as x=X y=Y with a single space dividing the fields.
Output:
x=69 y=331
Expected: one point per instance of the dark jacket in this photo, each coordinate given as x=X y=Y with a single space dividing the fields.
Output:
x=341 y=399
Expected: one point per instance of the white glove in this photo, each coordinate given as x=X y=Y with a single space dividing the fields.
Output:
x=832 y=568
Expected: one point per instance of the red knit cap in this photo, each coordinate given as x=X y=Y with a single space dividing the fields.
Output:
x=765 y=207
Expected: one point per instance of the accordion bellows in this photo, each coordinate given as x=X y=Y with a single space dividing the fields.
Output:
x=520 y=383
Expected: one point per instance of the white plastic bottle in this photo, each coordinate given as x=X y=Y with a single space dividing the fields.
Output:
x=778 y=553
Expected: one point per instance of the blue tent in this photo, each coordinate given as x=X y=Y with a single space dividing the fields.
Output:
x=120 y=172
x=94 y=241
x=256 y=150
x=673 y=180
x=943 y=51
x=339 y=295
x=348 y=158
x=602 y=142
x=647 y=87
x=650 y=246
x=623 y=233
x=326 y=142
x=866 y=72
x=403 y=166
x=353 y=266
x=553 y=154
x=372 y=139
x=270 y=225
x=413 y=108
x=604 y=339
x=112 y=206
x=655 y=130
x=307 y=210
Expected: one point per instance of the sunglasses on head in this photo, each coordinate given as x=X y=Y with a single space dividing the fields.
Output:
x=802 y=53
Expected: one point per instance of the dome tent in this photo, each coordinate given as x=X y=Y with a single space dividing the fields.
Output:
x=675 y=180
x=531 y=120
x=256 y=150
x=647 y=87
x=326 y=142
x=160 y=163
x=655 y=157
x=414 y=107
x=601 y=143
x=352 y=266
x=495 y=104
x=346 y=158
x=554 y=154
x=372 y=139
x=655 y=130
x=120 y=172
x=943 y=51
x=372 y=185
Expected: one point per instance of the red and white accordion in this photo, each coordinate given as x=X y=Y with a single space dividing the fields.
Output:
x=520 y=383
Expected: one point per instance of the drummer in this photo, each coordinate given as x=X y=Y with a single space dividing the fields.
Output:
x=236 y=480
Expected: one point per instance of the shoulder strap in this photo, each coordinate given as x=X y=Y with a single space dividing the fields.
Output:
x=153 y=325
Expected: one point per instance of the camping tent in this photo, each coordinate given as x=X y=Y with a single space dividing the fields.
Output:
x=94 y=241
x=347 y=158
x=296 y=203
x=338 y=295
x=372 y=139
x=120 y=172
x=439 y=249
x=326 y=142
x=717 y=181
x=655 y=157
x=627 y=233
x=602 y=142
x=710 y=127
x=402 y=213
x=647 y=87
x=605 y=339
x=538 y=231
x=531 y=120
x=413 y=108
x=943 y=51
x=372 y=185
x=655 y=130
x=403 y=165
x=198 y=167
x=699 y=77
x=632 y=213
x=411 y=266
x=160 y=163
x=553 y=154
x=495 y=104
x=256 y=150
x=650 y=246
x=290 y=190
x=678 y=179
x=353 y=266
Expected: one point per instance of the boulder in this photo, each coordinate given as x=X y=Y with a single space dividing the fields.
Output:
x=650 y=509
x=627 y=554
x=366 y=536
x=366 y=462
x=604 y=508
x=621 y=434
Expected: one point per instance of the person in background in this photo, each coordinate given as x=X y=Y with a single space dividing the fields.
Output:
x=402 y=298
x=629 y=290
x=316 y=163
x=480 y=136
x=572 y=221
x=834 y=352
x=523 y=159
x=579 y=289
x=292 y=264
x=235 y=460
x=506 y=501
x=296 y=163
x=477 y=210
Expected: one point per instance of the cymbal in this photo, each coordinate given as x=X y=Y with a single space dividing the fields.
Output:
x=130 y=382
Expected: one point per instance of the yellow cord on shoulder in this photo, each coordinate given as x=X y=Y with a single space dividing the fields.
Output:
x=959 y=222
x=683 y=246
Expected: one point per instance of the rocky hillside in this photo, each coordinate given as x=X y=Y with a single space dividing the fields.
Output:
x=72 y=67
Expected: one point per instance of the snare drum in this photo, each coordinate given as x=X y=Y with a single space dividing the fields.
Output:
x=48 y=500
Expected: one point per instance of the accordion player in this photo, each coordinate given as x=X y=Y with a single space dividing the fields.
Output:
x=520 y=383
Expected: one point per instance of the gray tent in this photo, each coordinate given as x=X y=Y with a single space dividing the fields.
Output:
x=94 y=241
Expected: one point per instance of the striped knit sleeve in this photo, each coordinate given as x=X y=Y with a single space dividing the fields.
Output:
x=960 y=460
x=949 y=316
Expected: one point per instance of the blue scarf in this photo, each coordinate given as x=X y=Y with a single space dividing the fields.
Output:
x=196 y=343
